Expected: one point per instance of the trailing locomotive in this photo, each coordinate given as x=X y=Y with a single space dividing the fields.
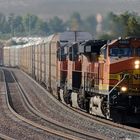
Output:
x=98 y=76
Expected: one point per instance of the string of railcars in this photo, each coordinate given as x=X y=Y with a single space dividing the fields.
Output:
x=98 y=76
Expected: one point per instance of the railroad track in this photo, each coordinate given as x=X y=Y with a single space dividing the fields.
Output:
x=10 y=126
x=47 y=104
x=42 y=120
x=108 y=122
x=34 y=131
x=4 y=137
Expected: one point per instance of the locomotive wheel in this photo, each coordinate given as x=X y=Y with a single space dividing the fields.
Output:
x=58 y=93
x=67 y=97
x=105 y=109
x=80 y=100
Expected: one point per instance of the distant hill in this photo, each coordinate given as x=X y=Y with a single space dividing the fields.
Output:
x=63 y=8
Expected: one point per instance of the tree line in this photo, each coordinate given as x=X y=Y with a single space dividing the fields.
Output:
x=112 y=26
x=32 y=25
x=125 y=24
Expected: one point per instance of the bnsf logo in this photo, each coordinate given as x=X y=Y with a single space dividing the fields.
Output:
x=131 y=76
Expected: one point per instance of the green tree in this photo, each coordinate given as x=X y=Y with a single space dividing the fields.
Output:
x=11 y=27
x=133 y=27
x=42 y=28
x=90 y=24
x=126 y=24
x=3 y=23
x=56 y=25
x=18 y=25
x=30 y=22
x=75 y=22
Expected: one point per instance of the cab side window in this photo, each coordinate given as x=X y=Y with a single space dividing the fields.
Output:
x=137 y=51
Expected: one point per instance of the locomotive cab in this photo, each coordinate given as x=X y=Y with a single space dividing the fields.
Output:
x=123 y=62
x=89 y=52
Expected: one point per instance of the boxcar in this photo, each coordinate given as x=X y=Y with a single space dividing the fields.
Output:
x=11 y=56
x=1 y=55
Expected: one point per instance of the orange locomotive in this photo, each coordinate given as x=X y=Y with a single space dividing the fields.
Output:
x=124 y=78
x=103 y=78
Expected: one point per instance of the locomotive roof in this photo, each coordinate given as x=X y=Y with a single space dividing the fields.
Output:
x=73 y=36
x=92 y=46
x=122 y=42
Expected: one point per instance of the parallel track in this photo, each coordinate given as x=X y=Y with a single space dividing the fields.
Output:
x=108 y=122
x=51 y=134
x=70 y=133
x=11 y=127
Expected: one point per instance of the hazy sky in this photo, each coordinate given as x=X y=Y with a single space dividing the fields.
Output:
x=63 y=8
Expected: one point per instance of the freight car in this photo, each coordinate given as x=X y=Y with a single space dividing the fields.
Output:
x=39 y=58
x=11 y=56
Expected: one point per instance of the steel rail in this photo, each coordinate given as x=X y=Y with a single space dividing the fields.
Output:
x=91 y=117
x=58 y=124
x=54 y=132
x=4 y=137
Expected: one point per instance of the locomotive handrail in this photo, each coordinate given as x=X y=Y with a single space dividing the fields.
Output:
x=114 y=88
x=118 y=83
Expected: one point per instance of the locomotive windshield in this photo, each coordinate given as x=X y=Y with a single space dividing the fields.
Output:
x=120 y=52
x=103 y=51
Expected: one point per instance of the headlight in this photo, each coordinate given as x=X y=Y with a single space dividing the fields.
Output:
x=137 y=64
x=123 y=89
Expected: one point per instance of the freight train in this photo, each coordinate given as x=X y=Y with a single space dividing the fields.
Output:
x=98 y=76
